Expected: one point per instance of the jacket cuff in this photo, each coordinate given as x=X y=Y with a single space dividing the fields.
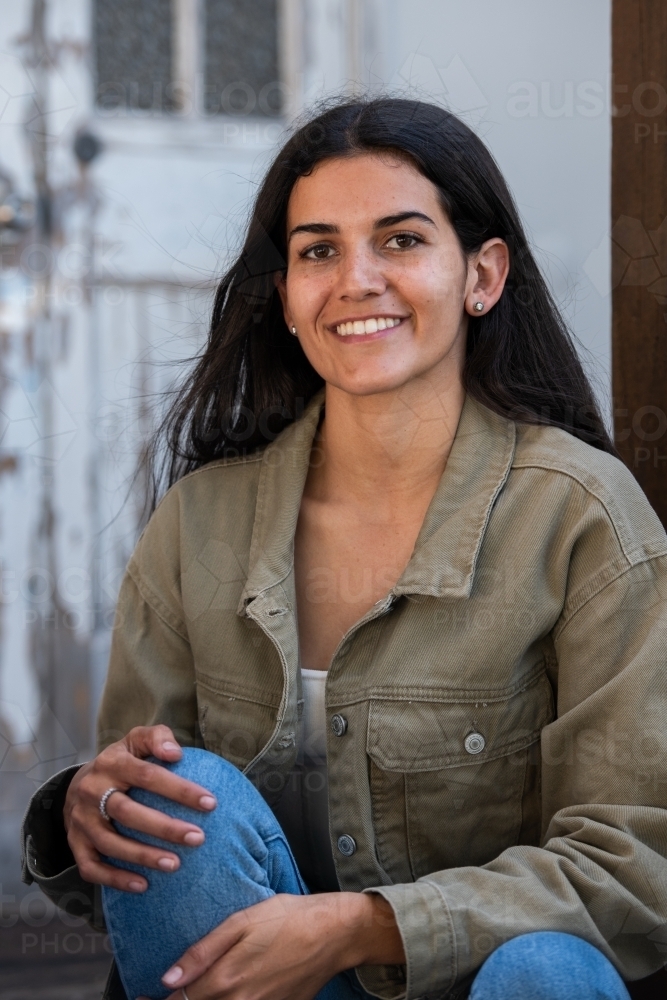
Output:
x=427 y=932
x=43 y=823
x=46 y=858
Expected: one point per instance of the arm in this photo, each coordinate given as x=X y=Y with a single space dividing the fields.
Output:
x=288 y=947
x=601 y=870
x=150 y=680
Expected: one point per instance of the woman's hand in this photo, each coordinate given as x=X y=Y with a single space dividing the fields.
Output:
x=288 y=947
x=121 y=766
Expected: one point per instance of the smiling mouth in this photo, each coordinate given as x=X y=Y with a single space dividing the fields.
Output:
x=370 y=325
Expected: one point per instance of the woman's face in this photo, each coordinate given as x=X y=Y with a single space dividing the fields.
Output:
x=377 y=284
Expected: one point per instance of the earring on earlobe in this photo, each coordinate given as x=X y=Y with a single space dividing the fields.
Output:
x=478 y=307
x=293 y=331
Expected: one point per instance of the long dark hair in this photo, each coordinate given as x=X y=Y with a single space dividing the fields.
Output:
x=253 y=379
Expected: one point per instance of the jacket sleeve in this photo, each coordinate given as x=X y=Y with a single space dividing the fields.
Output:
x=46 y=858
x=151 y=676
x=601 y=869
x=150 y=680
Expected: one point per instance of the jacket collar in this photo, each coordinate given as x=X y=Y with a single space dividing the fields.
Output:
x=445 y=554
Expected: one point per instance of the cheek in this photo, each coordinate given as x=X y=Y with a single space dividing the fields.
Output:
x=435 y=284
x=307 y=294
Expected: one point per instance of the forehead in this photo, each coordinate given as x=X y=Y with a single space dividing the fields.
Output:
x=368 y=184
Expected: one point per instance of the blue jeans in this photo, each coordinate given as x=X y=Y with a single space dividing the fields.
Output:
x=548 y=965
x=245 y=859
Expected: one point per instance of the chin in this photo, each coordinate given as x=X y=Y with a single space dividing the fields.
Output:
x=370 y=384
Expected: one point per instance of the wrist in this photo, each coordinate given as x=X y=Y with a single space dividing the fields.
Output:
x=370 y=932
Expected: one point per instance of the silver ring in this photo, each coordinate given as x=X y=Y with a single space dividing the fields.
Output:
x=103 y=803
x=185 y=996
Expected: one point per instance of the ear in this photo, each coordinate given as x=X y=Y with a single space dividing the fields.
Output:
x=487 y=274
x=281 y=285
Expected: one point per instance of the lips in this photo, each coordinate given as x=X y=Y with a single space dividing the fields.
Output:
x=359 y=327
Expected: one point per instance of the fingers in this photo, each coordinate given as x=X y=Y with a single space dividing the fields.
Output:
x=121 y=766
x=87 y=846
x=92 y=869
x=92 y=835
x=138 y=773
x=142 y=818
x=159 y=741
x=106 y=841
x=199 y=958
x=117 y=767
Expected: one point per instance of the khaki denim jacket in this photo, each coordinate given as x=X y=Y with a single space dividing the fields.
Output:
x=504 y=765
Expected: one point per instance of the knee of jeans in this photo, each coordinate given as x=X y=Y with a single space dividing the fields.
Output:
x=554 y=959
x=240 y=805
x=206 y=768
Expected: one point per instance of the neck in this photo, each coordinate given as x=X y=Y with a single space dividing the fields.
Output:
x=388 y=448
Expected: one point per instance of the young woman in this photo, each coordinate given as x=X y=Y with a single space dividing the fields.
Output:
x=407 y=601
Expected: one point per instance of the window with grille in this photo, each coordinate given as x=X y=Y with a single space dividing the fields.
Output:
x=241 y=57
x=133 y=48
x=237 y=59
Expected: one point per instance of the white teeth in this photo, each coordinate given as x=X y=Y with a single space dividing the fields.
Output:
x=372 y=325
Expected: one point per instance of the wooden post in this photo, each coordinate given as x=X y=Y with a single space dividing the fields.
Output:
x=639 y=241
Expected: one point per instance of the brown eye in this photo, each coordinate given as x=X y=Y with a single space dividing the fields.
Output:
x=402 y=241
x=320 y=252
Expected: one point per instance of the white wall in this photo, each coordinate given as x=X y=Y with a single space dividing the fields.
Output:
x=532 y=77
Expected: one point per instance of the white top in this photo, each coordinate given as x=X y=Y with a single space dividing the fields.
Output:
x=303 y=809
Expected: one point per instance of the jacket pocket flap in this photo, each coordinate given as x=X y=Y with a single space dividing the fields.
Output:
x=437 y=732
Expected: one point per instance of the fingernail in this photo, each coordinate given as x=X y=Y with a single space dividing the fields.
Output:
x=172 y=977
x=167 y=864
x=170 y=746
x=136 y=886
x=207 y=802
x=193 y=838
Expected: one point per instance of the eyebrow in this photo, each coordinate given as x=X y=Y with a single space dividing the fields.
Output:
x=393 y=220
x=314 y=227
x=322 y=228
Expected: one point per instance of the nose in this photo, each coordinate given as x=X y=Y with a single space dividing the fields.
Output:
x=360 y=275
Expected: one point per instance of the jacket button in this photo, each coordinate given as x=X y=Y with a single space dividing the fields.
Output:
x=347 y=845
x=474 y=743
x=338 y=725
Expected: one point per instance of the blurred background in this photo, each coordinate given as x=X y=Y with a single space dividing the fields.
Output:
x=133 y=134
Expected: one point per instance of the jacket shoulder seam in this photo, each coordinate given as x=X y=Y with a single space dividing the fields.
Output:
x=596 y=591
x=156 y=604
x=218 y=463
x=149 y=595
x=634 y=555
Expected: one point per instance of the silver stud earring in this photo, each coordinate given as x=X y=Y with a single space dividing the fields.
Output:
x=293 y=331
x=478 y=306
